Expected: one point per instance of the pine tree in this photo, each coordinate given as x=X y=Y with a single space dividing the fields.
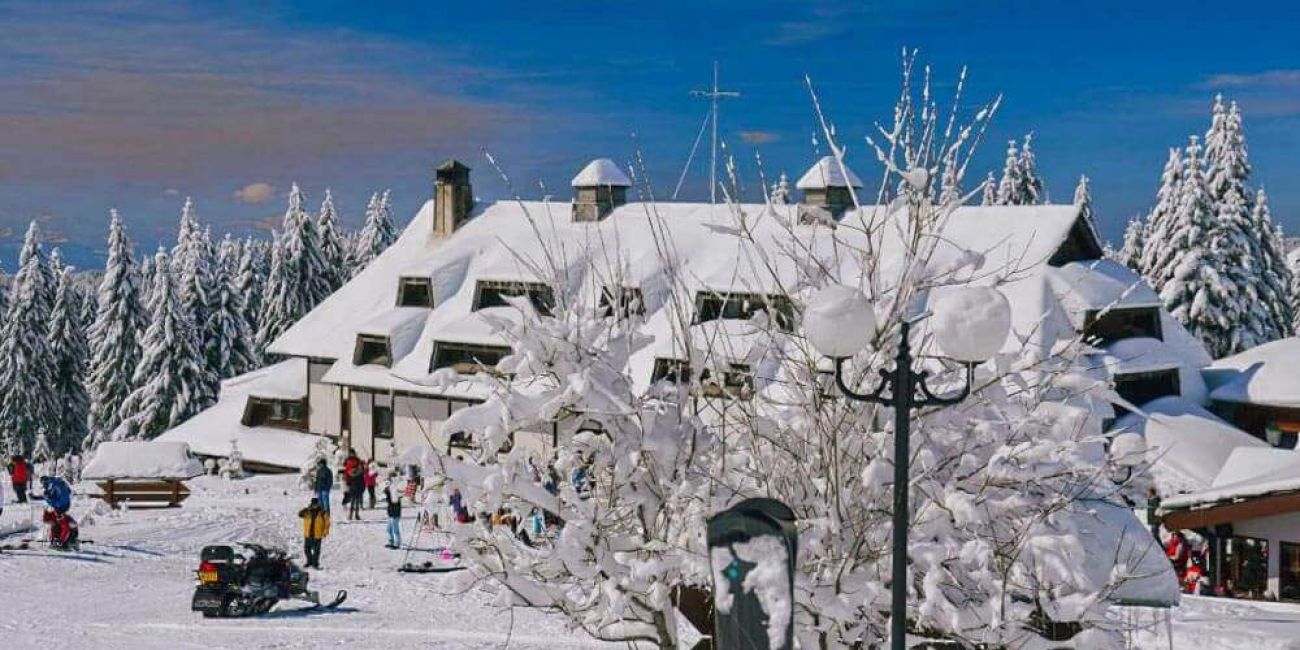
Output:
x=1009 y=187
x=989 y=195
x=249 y=282
x=1275 y=276
x=1083 y=199
x=1031 y=184
x=71 y=352
x=299 y=282
x=1130 y=254
x=169 y=376
x=376 y=235
x=780 y=194
x=332 y=244
x=27 y=408
x=230 y=346
x=191 y=266
x=1293 y=265
x=114 y=336
x=1159 y=221
x=1189 y=273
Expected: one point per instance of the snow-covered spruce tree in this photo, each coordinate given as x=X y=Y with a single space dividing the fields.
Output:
x=1005 y=481
x=114 y=336
x=1031 y=184
x=1083 y=199
x=71 y=352
x=27 y=406
x=230 y=343
x=989 y=191
x=250 y=280
x=1010 y=185
x=1159 y=225
x=780 y=194
x=1275 y=275
x=298 y=279
x=1188 y=269
x=1130 y=253
x=332 y=243
x=1293 y=264
x=169 y=376
x=376 y=235
x=192 y=267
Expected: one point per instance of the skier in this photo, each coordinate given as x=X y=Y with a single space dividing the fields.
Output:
x=315 y=527
x=323 y=484
x=371 y=476
x=394 y=503
x=20 y=474
x=58 y=496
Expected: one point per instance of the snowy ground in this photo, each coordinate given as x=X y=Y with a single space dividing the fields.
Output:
x=131 y=589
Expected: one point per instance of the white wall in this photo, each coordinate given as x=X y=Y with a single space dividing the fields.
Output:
x=360 y=420
x=323 y=402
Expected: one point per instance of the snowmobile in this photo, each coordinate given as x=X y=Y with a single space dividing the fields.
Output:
x=232 y=585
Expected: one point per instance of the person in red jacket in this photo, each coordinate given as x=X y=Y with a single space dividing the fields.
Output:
x=1179 y=552
x=20 y=473
x=371 y=477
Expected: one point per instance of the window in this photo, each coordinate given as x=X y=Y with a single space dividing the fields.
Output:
x=415 y=292
x=623 y=302
x=1248 y=567
x=467 y=358
x=493 y=293
x=280 y=414
x=1142 y=387
x=372 y=350
x=381 y=421
x=673 y=370
x=737 y=382
x=1289 y=571
x=713 y=306
x=462 y=441
x=1115 y=324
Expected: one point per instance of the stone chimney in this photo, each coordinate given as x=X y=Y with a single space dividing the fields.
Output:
x=826 y=194
x=599 y=188
x=453 y=197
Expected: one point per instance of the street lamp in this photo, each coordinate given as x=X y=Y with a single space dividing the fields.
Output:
x=970 y=325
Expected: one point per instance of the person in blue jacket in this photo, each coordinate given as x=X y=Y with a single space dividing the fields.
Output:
x=324 y=483
x=58 y=496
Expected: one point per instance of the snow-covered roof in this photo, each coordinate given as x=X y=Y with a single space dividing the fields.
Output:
x=1264 y=375
x=828 y=172
x=215 y=430
x=601 y=172
x=1248 y=472
x=1100 y=284
x=1141 y=354
x=155 y=459
x=400 y=325
x=1110 y=535
x=287 y=382
x=1187 y=445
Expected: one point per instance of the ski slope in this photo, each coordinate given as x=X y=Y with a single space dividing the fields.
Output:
x=131 y=589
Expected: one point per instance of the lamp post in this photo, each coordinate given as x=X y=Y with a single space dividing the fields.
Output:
x=971 y=324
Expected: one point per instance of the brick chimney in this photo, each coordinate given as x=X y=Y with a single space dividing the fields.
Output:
x=453 y=197
x=599 y=188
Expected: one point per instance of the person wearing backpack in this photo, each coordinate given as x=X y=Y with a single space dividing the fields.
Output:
x=394 y=506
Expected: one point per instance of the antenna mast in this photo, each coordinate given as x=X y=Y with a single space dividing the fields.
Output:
x=714 y=95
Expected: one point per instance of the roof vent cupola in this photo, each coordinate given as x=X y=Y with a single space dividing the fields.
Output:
x=599 y=188
x=453 y=197
x=826 y=193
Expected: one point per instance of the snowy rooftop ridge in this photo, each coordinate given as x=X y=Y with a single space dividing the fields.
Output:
x=1264 y=375
x=599 y=173
x=828 y=172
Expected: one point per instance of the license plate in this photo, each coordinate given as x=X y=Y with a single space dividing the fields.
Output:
x=208 y=576
x=206 y=602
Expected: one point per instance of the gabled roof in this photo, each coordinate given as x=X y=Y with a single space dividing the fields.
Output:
x=599 y=173
x=825 y=173
x=1265 y=375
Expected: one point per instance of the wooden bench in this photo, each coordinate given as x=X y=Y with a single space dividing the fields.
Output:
x=150 y=493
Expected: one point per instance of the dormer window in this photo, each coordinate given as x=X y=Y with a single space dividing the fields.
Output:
x=743 y=306
x=1138 y=388
x=414 y=292
x=623 y=302
x=372 y=350
x=494 y=293
x=277 y=413
x=467 y=358
x=1116 y=324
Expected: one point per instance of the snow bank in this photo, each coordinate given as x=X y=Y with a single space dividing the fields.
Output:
x=139 y=459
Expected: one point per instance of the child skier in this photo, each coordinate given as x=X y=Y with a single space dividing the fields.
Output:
x=394 y=504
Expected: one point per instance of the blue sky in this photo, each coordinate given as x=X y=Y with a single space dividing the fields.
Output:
x=134 y=105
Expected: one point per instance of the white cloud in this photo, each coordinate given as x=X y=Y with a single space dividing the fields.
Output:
x=254 y=193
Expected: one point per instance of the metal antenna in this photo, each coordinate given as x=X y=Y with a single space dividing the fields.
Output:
x=714 y=95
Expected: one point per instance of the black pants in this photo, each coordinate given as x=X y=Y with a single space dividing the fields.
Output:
x=20 y=489
x=311 y=548
x=370 y=490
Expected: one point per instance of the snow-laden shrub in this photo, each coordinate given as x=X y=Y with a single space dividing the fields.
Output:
x=325 y=449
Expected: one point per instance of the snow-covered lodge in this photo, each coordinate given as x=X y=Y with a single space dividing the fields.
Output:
x=369 y=366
